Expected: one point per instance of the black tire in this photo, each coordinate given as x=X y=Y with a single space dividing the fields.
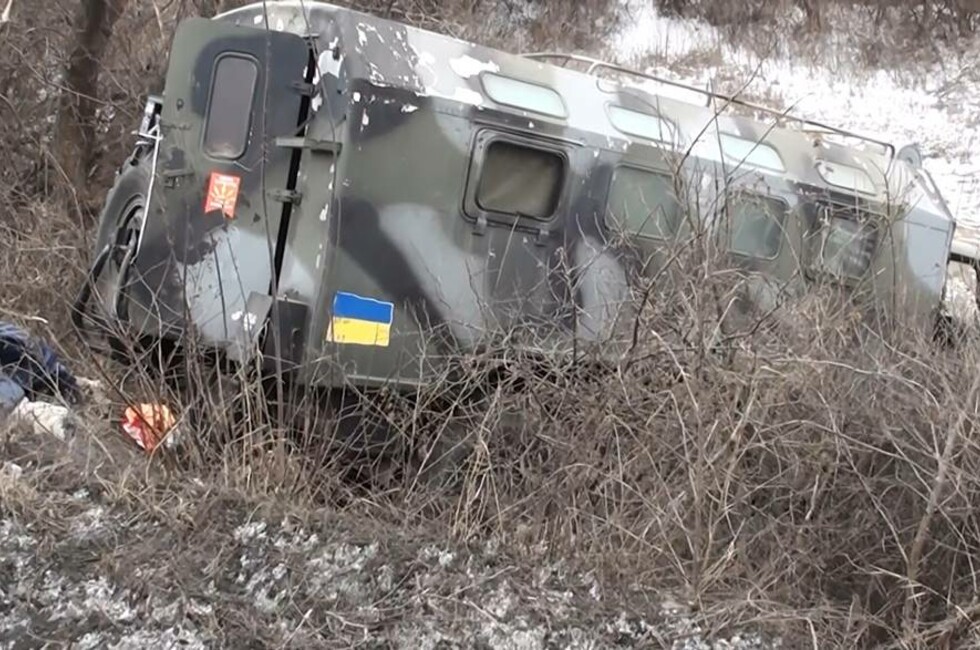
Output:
x=127 y=192
x=101 y=300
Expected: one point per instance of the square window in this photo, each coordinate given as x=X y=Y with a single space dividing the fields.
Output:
x=754 y=225
x=520 y=180
x=644 y=203
x=844 y=242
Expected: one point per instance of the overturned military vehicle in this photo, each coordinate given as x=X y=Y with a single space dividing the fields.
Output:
x=354 y=199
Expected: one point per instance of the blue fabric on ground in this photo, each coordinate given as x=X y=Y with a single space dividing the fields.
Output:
x=11 y=394
x=33 y=365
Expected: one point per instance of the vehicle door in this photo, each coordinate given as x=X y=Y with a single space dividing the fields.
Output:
x=222 y=185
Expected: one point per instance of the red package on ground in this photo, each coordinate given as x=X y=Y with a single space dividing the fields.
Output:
x=148 y=424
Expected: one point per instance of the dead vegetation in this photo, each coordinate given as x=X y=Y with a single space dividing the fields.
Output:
x=798 y=471
x=801 y=473
x=936 y=19
x=844 y=36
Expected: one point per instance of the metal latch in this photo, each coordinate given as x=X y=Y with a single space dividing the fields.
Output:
x=542 y=237
x=311 y=144
x=286 y=196
x=304 y=88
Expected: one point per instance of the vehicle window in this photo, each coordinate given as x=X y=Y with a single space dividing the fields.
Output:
x=850 y=178
x=846 y=247
x=522 y=94
x=226 y=131
x=644 y=125
x=644 y=203
x=754 y=225
x=751 y=152
x=520 y=180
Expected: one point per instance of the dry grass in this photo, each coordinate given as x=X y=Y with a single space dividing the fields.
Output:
x=798 y=469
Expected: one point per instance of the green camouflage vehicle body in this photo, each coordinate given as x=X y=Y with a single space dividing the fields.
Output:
x=364 y=199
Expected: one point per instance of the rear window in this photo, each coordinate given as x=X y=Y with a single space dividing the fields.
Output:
x=846 y=246
x=754 y=225
x=644 y=203
x=519 y=180
x=230 y=108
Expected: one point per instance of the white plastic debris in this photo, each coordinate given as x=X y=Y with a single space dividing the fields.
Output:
x=91 y=385
x=45 y=418
x=12 y=470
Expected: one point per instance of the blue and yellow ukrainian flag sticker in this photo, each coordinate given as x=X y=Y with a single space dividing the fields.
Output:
x=360 y=321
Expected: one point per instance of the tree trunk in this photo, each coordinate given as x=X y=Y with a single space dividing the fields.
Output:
x=76 y=128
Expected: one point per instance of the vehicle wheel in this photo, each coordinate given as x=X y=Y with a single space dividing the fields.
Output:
x=127 y=195
x=122 y=223
x=102 y=301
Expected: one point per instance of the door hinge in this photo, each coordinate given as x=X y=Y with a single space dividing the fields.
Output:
x=286 y=196
x=480 y=226
x=304 y=88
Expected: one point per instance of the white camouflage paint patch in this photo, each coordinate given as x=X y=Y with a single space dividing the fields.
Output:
x=466 y=66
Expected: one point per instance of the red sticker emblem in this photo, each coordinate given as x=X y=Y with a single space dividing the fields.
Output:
x=222 y=194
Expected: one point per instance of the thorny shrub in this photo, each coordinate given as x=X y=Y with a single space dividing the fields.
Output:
x=814 y=469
